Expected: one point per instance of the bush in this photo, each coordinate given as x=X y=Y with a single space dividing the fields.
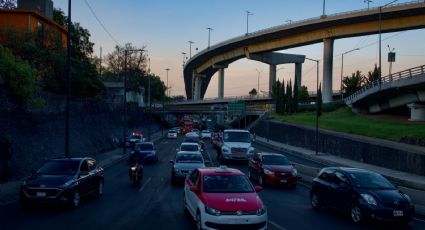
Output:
x=326 y=107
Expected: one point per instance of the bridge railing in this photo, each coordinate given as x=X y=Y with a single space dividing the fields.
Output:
x=384 y=80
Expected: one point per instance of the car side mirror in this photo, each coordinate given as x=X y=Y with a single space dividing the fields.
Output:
x=258 y=188
x=194 y=189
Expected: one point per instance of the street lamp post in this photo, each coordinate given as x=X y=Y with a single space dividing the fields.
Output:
x=68 y=80
x=391 y=58
x=168 y=92
x=324 y=3
x=247 y=15
x=342 y=67
x=184 y=56
x=380 y=39
x=126 y=52
x=368 y=1
x=317 y=103
x=190 y=49
x=209 y=35
x=258 y=80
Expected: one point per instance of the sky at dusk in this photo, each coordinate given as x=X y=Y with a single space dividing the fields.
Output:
x=166 y=26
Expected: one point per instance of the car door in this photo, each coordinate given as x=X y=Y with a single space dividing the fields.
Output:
x=92 y=180
x=324 y=186
x=341 y=193
x=190 y=195
x=84 y=178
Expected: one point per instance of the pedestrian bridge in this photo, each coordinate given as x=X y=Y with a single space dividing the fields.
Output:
x=403 y=88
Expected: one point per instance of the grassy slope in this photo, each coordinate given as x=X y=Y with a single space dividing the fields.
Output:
x=343 y=120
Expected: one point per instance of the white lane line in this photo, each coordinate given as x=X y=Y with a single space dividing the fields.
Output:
x=420 y=220
x=144 y=185
x=276 y=225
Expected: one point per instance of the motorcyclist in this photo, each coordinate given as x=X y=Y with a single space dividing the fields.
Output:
x=136 y=159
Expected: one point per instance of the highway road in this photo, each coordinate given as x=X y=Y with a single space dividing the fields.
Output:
x=156 y=204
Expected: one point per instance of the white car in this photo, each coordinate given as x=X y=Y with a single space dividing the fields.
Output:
x=190 y=147
x=206 y=134
x=172 y=134
x=192 y=134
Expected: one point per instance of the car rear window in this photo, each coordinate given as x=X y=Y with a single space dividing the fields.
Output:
x=144 y=147
x=226 y=184
x=189 y=148
x=275 y=160
x=189 y=158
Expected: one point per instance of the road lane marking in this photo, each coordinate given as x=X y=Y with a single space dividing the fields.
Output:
x=276 y=225
x=144 y=185
x=420 y=220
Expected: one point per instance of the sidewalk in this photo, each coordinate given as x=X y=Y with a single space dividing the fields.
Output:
x=411 y=184
x=9 y=191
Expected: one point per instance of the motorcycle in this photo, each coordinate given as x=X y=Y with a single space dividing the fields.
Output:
x=136 y=174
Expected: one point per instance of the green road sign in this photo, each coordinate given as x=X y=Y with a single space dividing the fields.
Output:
x=236 y=107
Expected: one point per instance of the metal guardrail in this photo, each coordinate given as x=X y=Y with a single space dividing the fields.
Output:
x=409 y=73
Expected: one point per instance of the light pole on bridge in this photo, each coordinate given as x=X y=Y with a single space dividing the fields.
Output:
x=342 y=67
x=317 y=103
x=209 y=35
x=190 y=49
x=247 y=20
x=380 y=39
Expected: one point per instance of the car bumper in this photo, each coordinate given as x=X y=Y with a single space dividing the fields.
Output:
x=245 y=222
x=172 y=136
x=149 y=157
x=63 y=197
x=236 y=157
x=387 y=214
x=275 y=180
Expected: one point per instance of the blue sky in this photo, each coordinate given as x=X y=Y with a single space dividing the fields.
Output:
x=166 y=26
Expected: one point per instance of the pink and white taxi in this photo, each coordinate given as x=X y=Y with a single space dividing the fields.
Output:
x=223 y=198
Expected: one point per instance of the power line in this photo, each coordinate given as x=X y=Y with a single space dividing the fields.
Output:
x=100 y=22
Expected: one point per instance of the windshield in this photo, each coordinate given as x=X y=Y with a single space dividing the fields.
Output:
x=145 y=147
x=60 y=167
x=189 y=158
x=237 y=137
x=275 y=160
x=226 y=184
x=370 y=180
x=189 y=148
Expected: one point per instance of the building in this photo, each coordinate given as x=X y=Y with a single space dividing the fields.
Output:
x=114 y=92
x=33 y=16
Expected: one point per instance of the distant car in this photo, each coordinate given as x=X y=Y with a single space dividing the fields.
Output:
x=192 y=134
x=172 y=134
x=197 y=131
x=223 y=198
x=184 y=162
x=272 y=168
x=147 y=151
x=195 y=139
x=63 y=181
x=366 y=195
x=190 y=147
x=178 y=129
x=206 y=134
x=136 y=137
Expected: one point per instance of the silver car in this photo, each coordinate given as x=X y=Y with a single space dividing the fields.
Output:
x=183 y=163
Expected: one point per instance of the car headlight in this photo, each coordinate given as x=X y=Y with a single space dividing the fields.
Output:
x=212 y=211
x=133 y=168
x=261 y=211
x=369 y=199
x=67 y=184
x=225 y=150
x=294 y=172
x=268 y=172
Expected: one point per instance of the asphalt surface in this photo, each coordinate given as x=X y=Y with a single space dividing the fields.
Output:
x=156 y=204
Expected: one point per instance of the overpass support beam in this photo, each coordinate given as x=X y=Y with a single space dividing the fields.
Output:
x=272 y=77
x=221 y=83
x=417 y=112
x=328 y=45
x=197 y=88
x=298 y=71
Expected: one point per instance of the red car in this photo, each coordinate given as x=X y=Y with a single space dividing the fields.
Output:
x=272 y=168
x=223 y=198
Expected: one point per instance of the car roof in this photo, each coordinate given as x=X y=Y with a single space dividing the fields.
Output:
x=71 y=159
x=350 y=169
x=189 y=152
x=270 y=154
x=222 y=170
x=145 y=143
x=189 y=143
x=236 y=130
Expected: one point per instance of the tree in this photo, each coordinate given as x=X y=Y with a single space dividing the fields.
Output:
x=353 y=83
x=253 y=92
x=276 y=95
x=7 y=4
x=372 y=75
x=303 y=96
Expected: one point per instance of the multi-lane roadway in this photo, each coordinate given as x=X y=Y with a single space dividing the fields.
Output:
x=156 y=204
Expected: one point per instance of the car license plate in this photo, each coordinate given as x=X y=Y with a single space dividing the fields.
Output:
x=283 y=181
x=41 y=194
x=398 y=213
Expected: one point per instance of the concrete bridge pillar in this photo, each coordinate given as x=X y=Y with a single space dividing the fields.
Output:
x=272 y=77
x=221 y=83
x=298 y=71
x=197 y=88
x=417 y=112
x=328 y=51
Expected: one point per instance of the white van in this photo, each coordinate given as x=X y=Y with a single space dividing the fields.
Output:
x=236 y=145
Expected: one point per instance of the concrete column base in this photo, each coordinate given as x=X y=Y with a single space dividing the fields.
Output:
x=417 y=112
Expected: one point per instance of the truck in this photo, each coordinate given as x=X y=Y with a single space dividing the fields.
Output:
x=236 y=145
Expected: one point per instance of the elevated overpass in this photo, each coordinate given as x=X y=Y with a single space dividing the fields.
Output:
x=260 y=45
x=403 y=88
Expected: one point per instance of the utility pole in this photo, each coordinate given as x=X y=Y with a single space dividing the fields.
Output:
x=168 y=91
x=317 y=103
x=209 y=35
x=380 y=39
x=324 y=3
x=68 y=80
x=368 y=1
x=247 y=15
x=258 y=81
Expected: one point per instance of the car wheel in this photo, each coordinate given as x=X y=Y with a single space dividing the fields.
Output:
x=198 y=221
x=315 y=201
x=99 y=191
x=76 y=199
x=356 y=214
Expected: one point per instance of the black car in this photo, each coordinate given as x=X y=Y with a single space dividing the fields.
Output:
x=364 y=194
x=63 y=181
x=147 y=150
